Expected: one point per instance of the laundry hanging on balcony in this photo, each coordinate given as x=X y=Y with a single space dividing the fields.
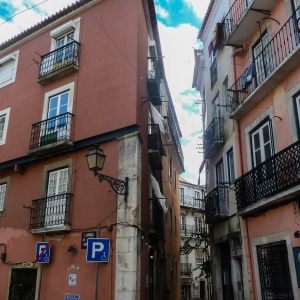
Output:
x=161 y=198
x=159 y=119
x=247 y=77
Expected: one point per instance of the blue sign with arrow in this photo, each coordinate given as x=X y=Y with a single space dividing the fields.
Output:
x=98 y=250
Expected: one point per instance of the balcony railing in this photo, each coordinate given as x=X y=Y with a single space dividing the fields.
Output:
x=174 y=133
x=51 y=131
x=154 y=79
x=191 y=230
x=155 y=147
x=191 y=202
x=213 y=137
x=51 y=212
x=272 y=57
x=156 y=227
x=278 y=173
x=186 y=269
x=216 y=205
x=57 y=63
x=213 y=73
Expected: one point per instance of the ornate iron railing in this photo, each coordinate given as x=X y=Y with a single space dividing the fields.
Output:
x=51 y=130
x=191 y=230
x=280 y=47
x=51 y=212
x=154 y=139
x=278 y=173
x=233 y=16
x=213 y=73
x=155 y=217
x=216 y=203
x=213 y=133
x=191 y=202
x=186 y=269
x=59 y=58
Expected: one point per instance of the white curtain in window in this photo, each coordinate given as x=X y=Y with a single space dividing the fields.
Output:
x=161 y=198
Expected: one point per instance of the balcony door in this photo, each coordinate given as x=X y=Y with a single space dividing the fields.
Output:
x=221 y=190
x=198 y=225
x=64 y=54
x=55 y=211
x=57 y=124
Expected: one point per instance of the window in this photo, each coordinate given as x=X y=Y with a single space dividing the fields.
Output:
x=2 y=195
x=199 y=256
x=23 y=283
x=4 y=190
x=170 y=167
x=8 y=69
x=171 y=269
x=175 y=226
x=230 y=164
x=175 y=178
x=297 y=109
x=198 y=225
x=225 y=92
x=182 y=222
x=216 y=107
x=176 y=271
x=56 y=198
x=170 y=223
x=181 y=195
x=4 y=117
x=197 y=195
x=220 y=173
x=261 y=143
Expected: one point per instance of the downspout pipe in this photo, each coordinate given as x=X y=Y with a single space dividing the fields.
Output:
x=239 y=154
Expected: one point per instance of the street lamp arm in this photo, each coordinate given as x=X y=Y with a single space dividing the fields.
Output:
x=119 y=186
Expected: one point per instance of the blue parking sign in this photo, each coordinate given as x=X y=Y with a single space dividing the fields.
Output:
x=42 y=252
x=98 y=250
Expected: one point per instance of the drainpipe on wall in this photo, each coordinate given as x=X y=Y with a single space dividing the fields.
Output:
x=239 y=153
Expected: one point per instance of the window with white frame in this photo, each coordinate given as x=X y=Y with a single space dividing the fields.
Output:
x=230 y=164
x=262 y=143
x=198 y=224
x=220 y=173
x=197 y=195
x=4 y=117
x=8 y=69
x=182 y=222
x=199 y=256
x=2 y=195
x=181 y=195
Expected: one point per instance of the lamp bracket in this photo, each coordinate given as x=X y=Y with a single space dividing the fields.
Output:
x=119 y=186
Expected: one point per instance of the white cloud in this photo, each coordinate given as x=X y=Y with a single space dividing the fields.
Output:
x=161 y=12
x=199 y=6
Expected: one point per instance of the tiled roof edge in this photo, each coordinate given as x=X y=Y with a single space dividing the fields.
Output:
x=209 y=9
x=74 y=6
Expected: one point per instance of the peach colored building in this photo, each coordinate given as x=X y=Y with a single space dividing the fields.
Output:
x=79 y=79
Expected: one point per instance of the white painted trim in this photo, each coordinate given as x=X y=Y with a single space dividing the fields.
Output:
x=13 y=56
x=273 y=238
x=68 y=87
x=5 y=112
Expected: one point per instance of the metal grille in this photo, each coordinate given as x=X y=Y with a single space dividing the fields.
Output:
x=191 y=230
x=191 y=202
x=50 y=211
x=281 y=46
x=216 y=204
x=59 y=59
x=186 y=269
x=213 y=73
x=213 y=133
x=274 y=272
x=276 y=174
x=22 y=284
x=51 y=130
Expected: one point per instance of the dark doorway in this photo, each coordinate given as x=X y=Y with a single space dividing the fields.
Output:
x=226 y=271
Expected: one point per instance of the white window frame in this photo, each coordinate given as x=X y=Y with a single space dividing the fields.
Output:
x=13 y=56
x=199 y=256
x=259 y=131
x=181 y=195
x=5 y=181
x=5 y=112
x=2 y=195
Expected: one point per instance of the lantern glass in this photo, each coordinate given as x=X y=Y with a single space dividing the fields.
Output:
x=95 y=159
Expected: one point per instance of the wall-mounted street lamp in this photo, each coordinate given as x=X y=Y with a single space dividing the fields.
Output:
x=95 y=159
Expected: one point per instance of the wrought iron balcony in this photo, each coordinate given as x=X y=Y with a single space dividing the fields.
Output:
x=191 y=202
x=277 y=59
x=156 y=227
x=59 y=63
x=51 y=135
x=240 y=23
x=213 y=73
x=155 y=147
x=213 y=137
x=186 y=269
x=279 y=173
x=51 y=214
x=216 y=205
x=191 y=230
x=174 y=133
x=154 y=79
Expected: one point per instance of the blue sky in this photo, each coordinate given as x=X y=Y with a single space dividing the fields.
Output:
x=179 y=22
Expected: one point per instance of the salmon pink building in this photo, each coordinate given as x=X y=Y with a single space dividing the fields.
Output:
x=263 y=90
x=88 y=82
